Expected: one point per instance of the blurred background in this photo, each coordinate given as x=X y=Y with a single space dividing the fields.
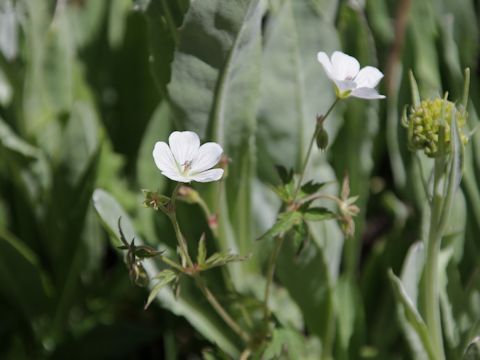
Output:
x=88 y=86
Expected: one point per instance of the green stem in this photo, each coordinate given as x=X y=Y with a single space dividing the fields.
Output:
x=173 y=218
x=279 y=242
x=220 y=310
x=270 y=273
x=208 y=294
x=431 y=286
x=309 y=151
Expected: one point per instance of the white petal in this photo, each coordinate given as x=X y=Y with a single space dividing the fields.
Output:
x=184 y=145
x=207 y=157
x=345 y=67
x=163 y=158
x=367 y=93
x=327 y=65
x=368 y=77
x=175 y=176
x=345 y=85
x=209 y=175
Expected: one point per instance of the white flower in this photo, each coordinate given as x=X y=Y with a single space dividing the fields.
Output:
x=185 y=160
x=344 y=71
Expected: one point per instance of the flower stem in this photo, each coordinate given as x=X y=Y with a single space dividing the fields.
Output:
x=310 y=147
x=432 y=303
x=199 y=281
x=172 y=214
x=279 y=240
x=270 y=273
x=220 y=310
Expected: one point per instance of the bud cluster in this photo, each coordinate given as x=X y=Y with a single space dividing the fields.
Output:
x=425 y=125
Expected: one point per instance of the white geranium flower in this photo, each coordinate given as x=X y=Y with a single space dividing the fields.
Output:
x=349 y=79
x=184 y=160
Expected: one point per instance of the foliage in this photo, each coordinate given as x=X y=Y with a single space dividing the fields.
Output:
x=86 y=89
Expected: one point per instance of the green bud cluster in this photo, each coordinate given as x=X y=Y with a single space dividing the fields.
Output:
x=425 y=125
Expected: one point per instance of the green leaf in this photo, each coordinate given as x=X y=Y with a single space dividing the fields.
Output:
x=473 y=350
x=286 y=343
x=318 y=214
x=165 y=277
x=110 y=211
x=412 y=316
x=202 y=251
x=217 y=68
x=17 y=259
x=222 y=258
x=284 y=223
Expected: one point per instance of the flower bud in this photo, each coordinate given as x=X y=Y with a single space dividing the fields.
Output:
x=425 y=125
x=322 y=138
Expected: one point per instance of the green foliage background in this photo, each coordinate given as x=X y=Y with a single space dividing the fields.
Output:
x=88 y=86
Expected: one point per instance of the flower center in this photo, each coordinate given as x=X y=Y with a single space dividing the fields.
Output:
x=186 y=166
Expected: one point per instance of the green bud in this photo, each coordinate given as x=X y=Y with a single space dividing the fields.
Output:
x=425 y=123
x=322 y=138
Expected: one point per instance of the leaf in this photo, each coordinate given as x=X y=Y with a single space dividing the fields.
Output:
x=286 y=343
x=222 y=258
x=217 y=67
x=318 y=214
x=284 y=223
x=202 y=251
x=204 y=321
x=312 y=293
x=165 y=277
x=472 y=352
x=29 y=277
x=414 y=319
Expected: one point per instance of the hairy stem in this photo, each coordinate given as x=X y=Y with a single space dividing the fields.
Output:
x=220 y=310
x=279 y=241
x=198 y=280
x=432 y=301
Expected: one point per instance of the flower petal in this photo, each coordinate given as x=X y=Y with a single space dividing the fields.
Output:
x=184 y=146
x=345 y=67
x=209 y=175
x=368 y=77
x=175 y=176
x=345 y=85
x=207 y=157
x=163 y=157
x=327 y=65
x=366 y=93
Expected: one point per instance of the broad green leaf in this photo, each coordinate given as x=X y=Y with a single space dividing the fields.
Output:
x=158 y=128
x=117 y=20
x=109 y=212
x=6 y=89
x=286 y=343
x=220 y=46
x=473 y=350
x=284 y=223
x=9 y=19
x=412 y=270
x=294 y=88
x=346 y=310
x=164 y=278
x=29 y=290
x=313 y=294
x=408 y=310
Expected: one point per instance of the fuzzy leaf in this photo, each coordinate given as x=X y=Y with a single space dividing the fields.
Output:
x=222 y=258
x=318 y=214
x=165 y=277
x=284 y=223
